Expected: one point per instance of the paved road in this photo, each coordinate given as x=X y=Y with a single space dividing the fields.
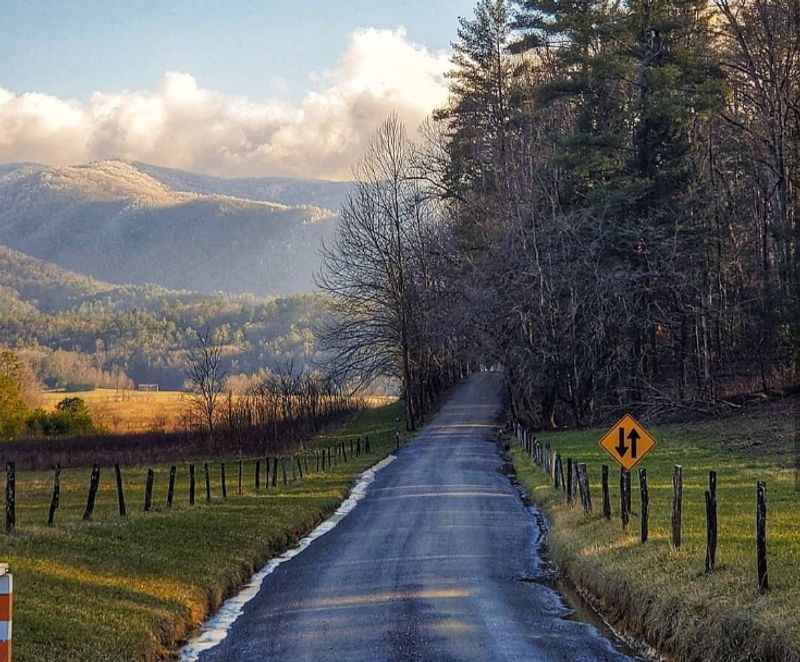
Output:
x=429 y=566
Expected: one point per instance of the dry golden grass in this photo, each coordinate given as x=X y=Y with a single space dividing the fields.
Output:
x=128 y=411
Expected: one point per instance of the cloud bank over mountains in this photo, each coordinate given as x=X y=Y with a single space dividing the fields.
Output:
x=180 y=124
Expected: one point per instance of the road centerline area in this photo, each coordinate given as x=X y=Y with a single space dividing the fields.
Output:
x=408 y=577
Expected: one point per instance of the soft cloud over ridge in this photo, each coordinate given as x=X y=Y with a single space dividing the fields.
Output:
x=180 y=124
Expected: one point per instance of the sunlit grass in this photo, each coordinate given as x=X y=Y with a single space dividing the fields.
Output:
x=654 y=587
x=123 y=411
x=123 y=589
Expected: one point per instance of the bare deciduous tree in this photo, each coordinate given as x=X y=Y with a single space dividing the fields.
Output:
x=206 y=378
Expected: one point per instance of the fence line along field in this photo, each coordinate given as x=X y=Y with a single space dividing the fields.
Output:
x=125 y=410
x=673 y=585
x=131 y=587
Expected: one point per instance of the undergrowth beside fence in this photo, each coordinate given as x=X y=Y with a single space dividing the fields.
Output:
x=132 y=587
x=663 y=593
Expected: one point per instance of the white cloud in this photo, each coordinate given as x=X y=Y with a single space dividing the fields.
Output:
x=181 y=124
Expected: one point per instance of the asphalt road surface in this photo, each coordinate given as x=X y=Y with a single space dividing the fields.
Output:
x=438 y=562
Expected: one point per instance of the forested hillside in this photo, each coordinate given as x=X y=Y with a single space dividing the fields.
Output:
x=76 y=330
x=607 y=206
x=115 y=221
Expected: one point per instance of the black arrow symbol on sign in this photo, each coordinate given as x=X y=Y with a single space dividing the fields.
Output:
x=621 y=447
x=633 y=435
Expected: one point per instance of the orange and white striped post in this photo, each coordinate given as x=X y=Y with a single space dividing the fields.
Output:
x=6 y=593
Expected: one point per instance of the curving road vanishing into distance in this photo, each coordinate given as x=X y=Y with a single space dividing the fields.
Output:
x=434 y=564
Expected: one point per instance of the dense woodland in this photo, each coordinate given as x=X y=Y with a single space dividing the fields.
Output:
x=75 y=331
x=607 y=207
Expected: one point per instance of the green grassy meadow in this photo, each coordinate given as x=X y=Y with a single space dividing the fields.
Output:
x=662 y=593
x=133 y=588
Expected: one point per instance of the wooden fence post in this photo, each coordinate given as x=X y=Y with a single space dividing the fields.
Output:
x=148 y=491
x=239 y=486
x=576 y=482
x=56 y=498
x=628 y=493
x=11 y=497
x=711 y=522
x=570 y=493
x=606 y=495
x=222 y=480
x=191 y=484
x=274 y=471
x=677 y=505
x=283 y=471
x=586 y=494
x=623 y=501
x=555 y=472
x=123 y=510
x=588 y=487
x=367 y=444
x=208 y=481
x=171 y=485
x=94 y=482
x=761 y=536
x=645 y=503
x=299 y=465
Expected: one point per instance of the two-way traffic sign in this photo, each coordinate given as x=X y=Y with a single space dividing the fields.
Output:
x=627 y=442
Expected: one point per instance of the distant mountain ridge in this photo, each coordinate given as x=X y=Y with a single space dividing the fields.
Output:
x=125 y=222
x=285 y=190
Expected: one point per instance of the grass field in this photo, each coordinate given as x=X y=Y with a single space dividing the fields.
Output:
x=143 y=411
x=127 y=411
x=654 y=589
x=123 y=589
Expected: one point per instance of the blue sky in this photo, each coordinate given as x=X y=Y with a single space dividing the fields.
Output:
x=229 y=87
x=70 y=48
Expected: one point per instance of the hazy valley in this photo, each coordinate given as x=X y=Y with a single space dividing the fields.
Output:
x=107 y=270
x=134 y=223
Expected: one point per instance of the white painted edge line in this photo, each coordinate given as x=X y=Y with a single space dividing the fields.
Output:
x=215 y=629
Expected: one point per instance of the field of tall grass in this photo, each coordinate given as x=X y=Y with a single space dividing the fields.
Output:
x=126 y=411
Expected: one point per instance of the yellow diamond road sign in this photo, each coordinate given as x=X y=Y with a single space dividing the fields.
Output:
x=627 y=442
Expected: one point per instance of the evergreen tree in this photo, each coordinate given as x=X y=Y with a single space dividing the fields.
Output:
x=478 y=116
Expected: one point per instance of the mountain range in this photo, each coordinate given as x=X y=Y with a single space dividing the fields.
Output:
x=133 y=223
